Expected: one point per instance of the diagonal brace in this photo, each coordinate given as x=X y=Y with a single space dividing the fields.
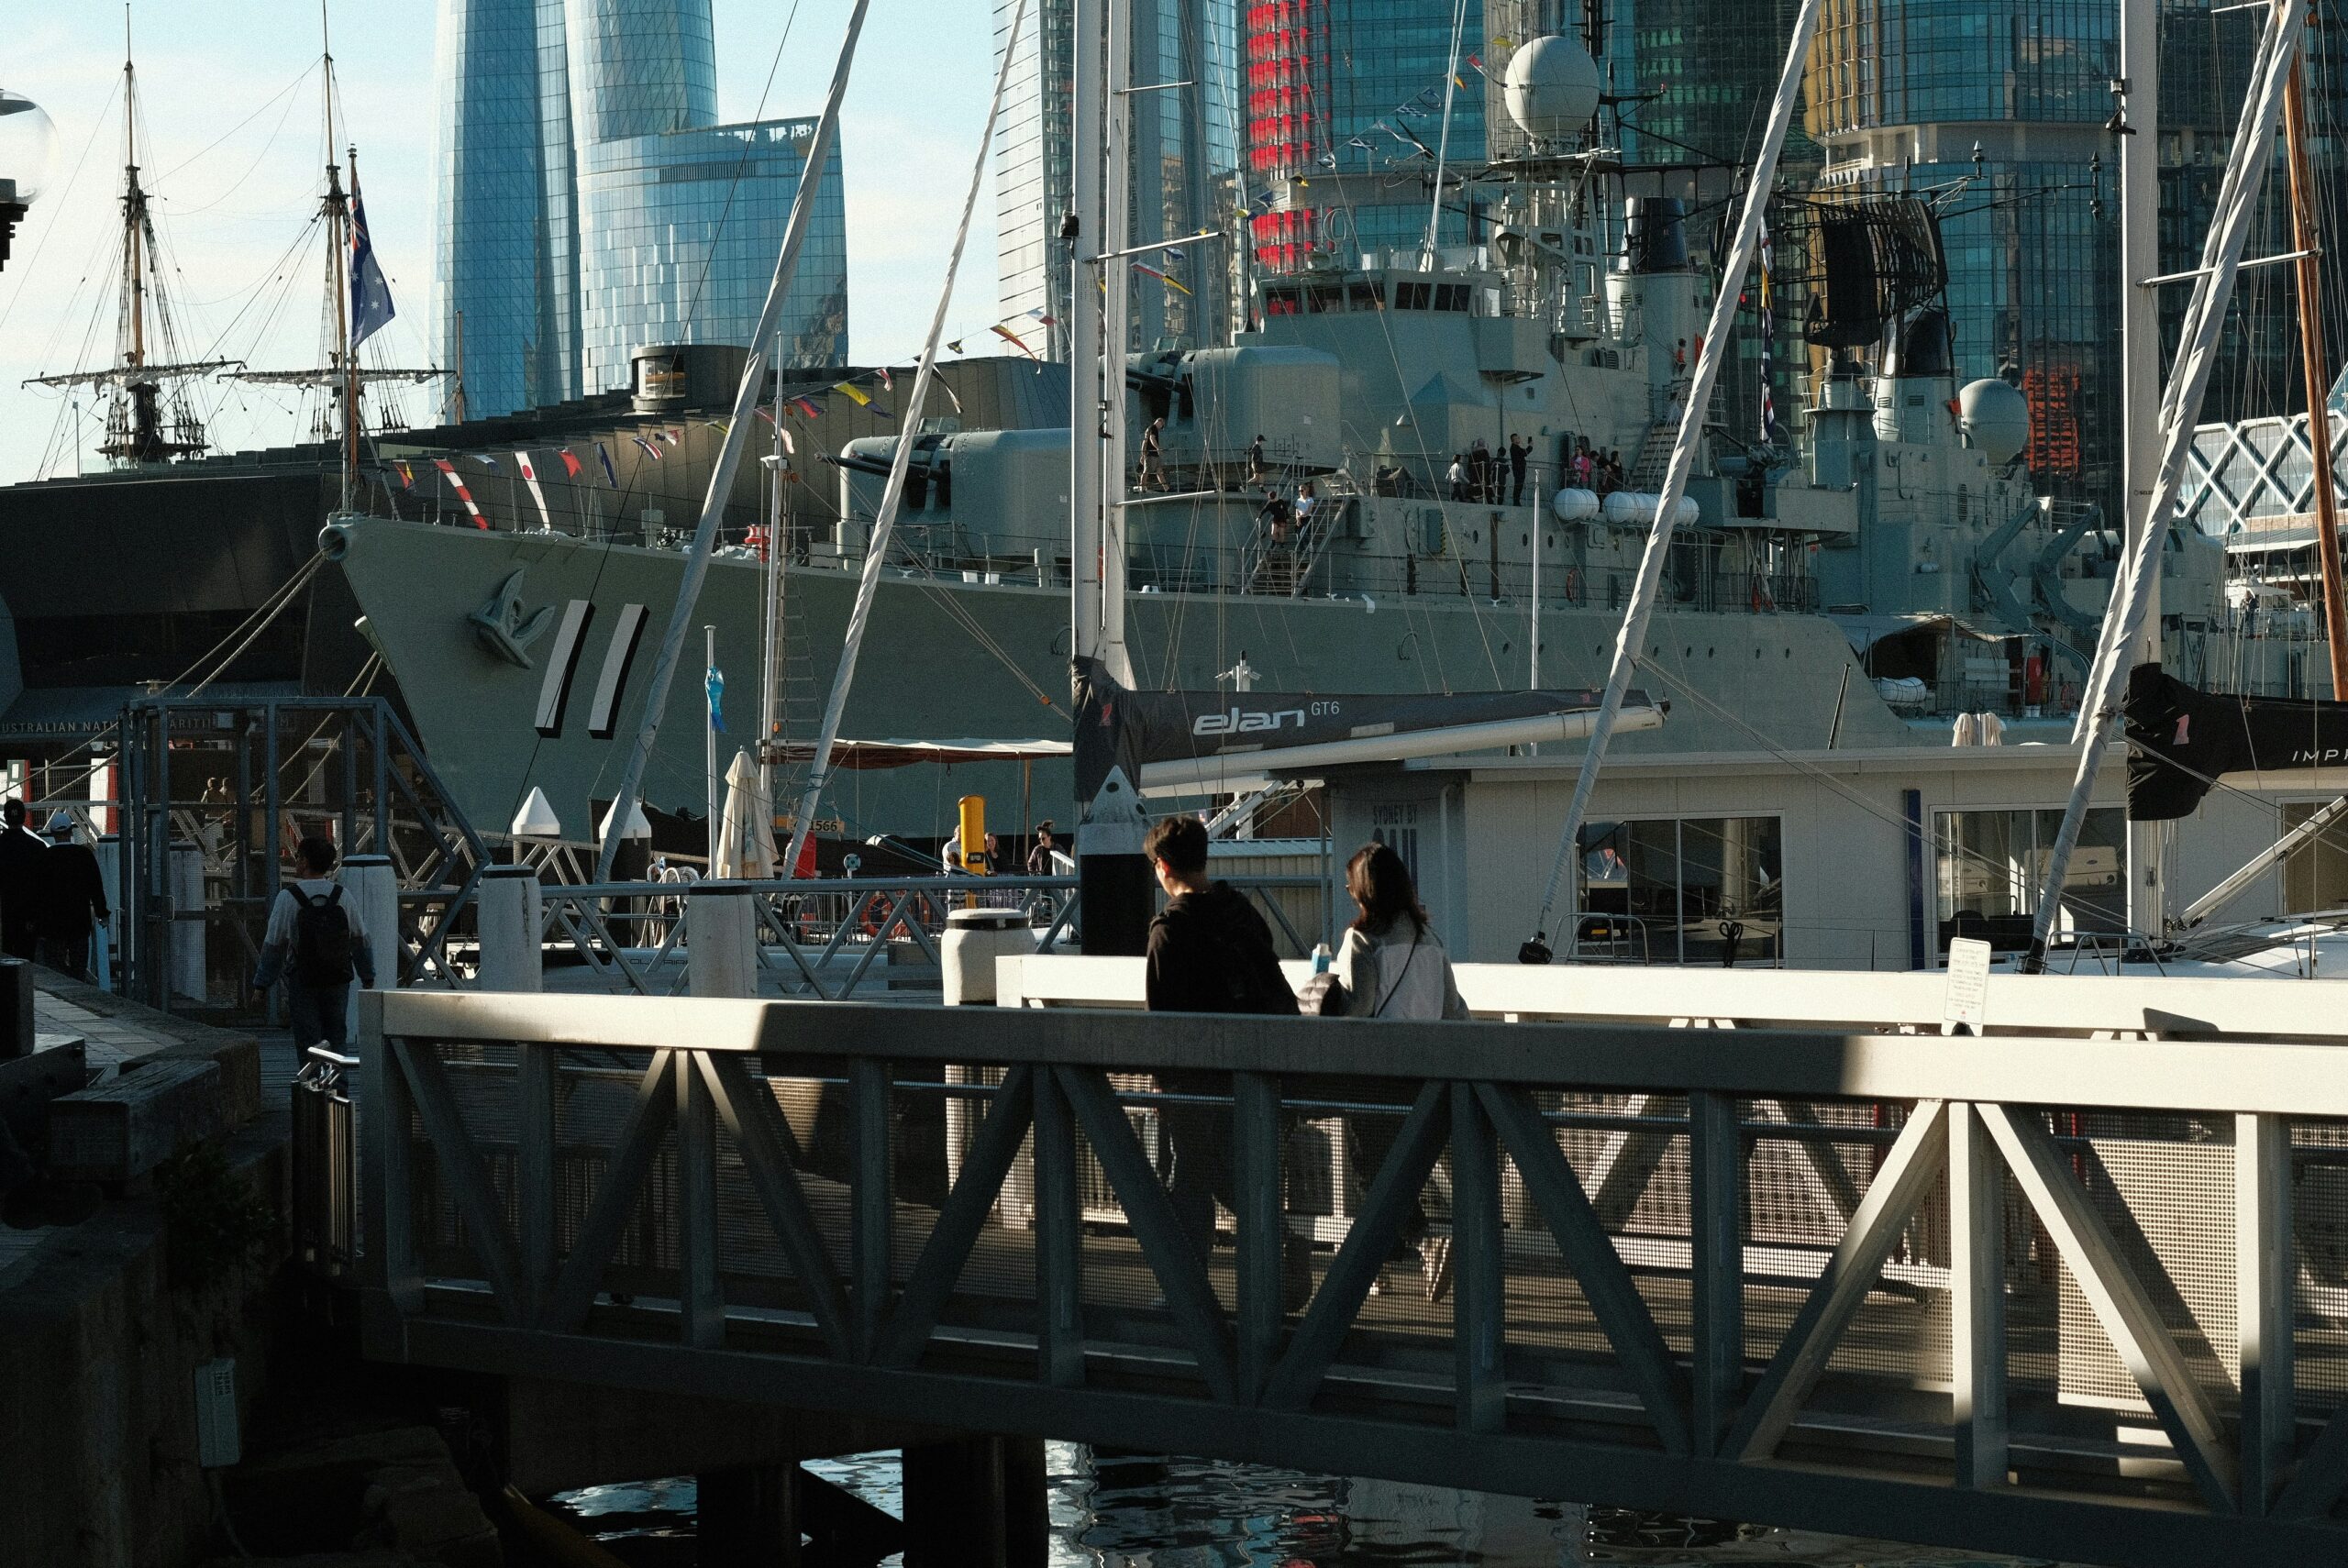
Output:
x=469 y=1178
x=749 y=1115
x=1369 y=1240
x=599 y=1235
x=1592 y=1259
x=1182 y=1272
x=1908 y=1170
x=959 y=1220
x=2119 y=1301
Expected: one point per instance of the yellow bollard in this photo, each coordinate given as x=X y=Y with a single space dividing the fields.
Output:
x=975 y=861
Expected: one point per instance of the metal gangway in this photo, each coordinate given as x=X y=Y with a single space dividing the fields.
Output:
x=1761 y=1245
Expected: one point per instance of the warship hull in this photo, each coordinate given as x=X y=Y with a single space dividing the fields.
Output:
x=949 y=658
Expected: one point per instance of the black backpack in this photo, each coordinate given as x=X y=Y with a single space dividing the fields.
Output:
x=321 y=939
x=1251 y=974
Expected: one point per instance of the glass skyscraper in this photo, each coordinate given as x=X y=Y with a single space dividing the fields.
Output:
x=590 y=204
x=501 y=231
x=1185 y=155
x=1997 y=111
x=1345 y=116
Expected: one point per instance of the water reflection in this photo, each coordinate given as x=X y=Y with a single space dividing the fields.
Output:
x=1129 y=1510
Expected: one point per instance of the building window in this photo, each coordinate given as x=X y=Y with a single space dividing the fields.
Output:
x=1683 y=890
x=1990 y=864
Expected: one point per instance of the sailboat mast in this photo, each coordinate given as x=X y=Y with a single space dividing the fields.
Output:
x=2306 y=240
x=2140 y=393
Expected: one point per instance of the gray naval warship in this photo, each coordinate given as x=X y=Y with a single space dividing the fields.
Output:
x=1311 y=512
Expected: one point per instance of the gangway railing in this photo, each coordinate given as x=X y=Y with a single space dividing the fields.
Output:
x=822 y=938
x=2073 y=1298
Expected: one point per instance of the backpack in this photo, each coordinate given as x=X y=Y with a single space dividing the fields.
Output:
x=1250 y=972
x=321 y=939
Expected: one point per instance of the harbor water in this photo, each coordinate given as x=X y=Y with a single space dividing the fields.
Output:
x=1116 y=1509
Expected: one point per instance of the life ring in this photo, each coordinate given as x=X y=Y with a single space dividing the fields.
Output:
x=872 y=922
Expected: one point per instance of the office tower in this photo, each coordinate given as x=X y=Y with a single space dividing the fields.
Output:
x=1185 y=155
x=590 y=204
x=1998 y=113
x=680 y=217
x=1345 y=111
x=500 y=265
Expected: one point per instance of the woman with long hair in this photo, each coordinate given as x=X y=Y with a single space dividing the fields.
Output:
x=1393 y=964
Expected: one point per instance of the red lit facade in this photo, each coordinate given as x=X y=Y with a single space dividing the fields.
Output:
x=1286 y=62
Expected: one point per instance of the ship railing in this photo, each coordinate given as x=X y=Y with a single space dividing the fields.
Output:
x=819 y=938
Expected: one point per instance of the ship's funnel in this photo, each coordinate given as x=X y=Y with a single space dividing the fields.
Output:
x=1926 y=348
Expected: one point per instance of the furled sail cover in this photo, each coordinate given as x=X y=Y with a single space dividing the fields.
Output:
x=2181 y=740
x=1115 y=727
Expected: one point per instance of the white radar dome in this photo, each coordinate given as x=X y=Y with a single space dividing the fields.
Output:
x=1995 y=417
x=27 y=142
x=1553 y=89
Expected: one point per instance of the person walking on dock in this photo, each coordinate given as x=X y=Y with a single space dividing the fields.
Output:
x=72 y=899
x=1392 y=965
x=1209 y=952
x=1039 y=854
x=20 y=853
x=315 y=943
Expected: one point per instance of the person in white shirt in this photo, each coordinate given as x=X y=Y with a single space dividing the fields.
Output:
x=1392 y=965
x=1392 y=962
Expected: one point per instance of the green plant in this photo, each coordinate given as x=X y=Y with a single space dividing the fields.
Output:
x=214 y=1221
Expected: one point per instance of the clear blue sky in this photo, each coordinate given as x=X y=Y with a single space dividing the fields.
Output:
x=232 y=149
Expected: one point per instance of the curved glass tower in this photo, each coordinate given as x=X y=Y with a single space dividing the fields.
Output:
x=590 y=204
x=503 y=272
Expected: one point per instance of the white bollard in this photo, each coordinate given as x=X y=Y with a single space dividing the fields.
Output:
x=373 y=887
x=974 y=939
x=721 y=940
x=721 y=960
x=513 y=957
x=187 y=921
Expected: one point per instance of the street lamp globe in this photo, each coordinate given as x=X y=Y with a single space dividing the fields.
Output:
x=27 y=143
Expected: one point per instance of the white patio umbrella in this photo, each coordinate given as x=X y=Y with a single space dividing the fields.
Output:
x=746 y=831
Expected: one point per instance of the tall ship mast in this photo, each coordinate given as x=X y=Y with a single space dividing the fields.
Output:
x=151 y=416
x=357 y=303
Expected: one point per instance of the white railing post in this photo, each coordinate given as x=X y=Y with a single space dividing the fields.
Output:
x=374 y=888
x=512 y=917
x=721 y=940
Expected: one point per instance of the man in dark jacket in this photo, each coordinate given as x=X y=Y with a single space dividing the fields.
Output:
x=74 y=900
x=20 y=884
x=1209 y=952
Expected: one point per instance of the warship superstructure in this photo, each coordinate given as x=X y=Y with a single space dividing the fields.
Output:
x=1880 y=566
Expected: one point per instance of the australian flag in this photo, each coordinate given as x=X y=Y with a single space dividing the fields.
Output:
x=370 y=296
